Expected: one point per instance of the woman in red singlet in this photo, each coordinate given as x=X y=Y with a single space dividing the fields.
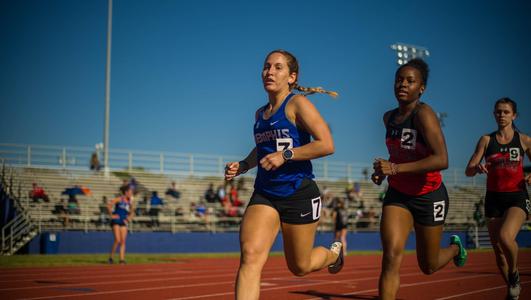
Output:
x=506 y=201
x=416 y=197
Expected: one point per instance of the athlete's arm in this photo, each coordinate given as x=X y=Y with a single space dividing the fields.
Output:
x=301 y=112
x=131 y=211
x=235 y=168
x=377 y=177
x=110 y=206
x=474 y=165
x=525 y=141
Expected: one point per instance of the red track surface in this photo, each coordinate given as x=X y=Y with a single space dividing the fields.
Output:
x=214 y=279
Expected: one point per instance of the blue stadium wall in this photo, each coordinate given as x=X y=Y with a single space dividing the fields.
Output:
x=70 y=242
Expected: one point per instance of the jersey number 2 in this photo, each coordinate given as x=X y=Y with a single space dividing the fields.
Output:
x=438 y=211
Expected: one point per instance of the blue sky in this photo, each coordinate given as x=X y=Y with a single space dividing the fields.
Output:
x=186 y=74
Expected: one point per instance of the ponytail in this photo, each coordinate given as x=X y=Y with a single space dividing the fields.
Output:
x=312 y=90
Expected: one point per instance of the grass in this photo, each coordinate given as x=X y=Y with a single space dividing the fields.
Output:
x=61 y=260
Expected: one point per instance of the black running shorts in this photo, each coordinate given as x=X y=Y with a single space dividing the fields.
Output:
x=429 y=209
x=303 y=207
x=497 y=203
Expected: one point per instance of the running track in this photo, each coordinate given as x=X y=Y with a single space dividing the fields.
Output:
x=214 y=279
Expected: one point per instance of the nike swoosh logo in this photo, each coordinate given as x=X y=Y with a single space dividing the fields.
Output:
x=273 y=123
x=304 y=215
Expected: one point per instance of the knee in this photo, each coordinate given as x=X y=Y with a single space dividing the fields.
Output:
x=506 y=239
x=392 y=258
x=252 y=255
x=299 y=269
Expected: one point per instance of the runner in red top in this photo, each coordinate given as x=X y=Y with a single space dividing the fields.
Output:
x=506 y=201
x=416 y=196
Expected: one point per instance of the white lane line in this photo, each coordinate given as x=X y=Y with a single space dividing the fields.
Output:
x=480 y=291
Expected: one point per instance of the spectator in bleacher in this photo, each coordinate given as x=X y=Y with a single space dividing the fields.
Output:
x=201 y=209
x=121 y=210
x=288 y=132
x=103 y=211
x=156 y=204
x=141 y=208
x=179 y=212
x=340 y=216
x=73 y=205
x=358 y=193
x=221 y=193
x=417 y=197
x=234 y=196
x=61 y=212
x=172 y=191
x=507 y=204
x=94 y=162
x=37 y=193
x=210 y=194
x=133 y=184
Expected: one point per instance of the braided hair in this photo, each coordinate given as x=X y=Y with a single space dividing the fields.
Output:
x=293 y=66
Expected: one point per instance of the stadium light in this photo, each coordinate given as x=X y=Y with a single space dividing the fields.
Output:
x=406 y=52
x=107 y=94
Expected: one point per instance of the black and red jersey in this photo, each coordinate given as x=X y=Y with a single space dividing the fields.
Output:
x=505 y=164
x=406 y=144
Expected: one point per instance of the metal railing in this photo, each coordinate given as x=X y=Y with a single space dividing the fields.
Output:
x=188 y=164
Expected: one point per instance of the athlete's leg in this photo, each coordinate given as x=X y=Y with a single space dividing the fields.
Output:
x=395 y=226
x=513 y=219
x=344 y=240
x=301 y=257
x=258 y=231
x=494 y=226
x=123 y=237
x=117 y=239
x=430 y=256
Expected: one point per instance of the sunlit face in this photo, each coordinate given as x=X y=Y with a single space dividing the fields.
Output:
x=504 y=114
x=276 y=75
x=408 y=85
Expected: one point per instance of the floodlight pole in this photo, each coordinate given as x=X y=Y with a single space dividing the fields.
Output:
x=107 y=93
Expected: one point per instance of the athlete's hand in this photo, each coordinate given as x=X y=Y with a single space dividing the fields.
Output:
x=383 y=167
x=377 y=178
x=114 y=217
x=272 y=161
x=528 y=179
x=482 y=168
x=231 y=170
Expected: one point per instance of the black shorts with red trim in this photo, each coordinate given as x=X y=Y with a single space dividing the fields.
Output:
x=429 y=209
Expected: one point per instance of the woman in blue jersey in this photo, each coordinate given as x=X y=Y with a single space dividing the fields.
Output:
x=289 y=132
x=122 y=212
x=507 y=203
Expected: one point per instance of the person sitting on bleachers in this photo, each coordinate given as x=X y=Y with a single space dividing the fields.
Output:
x=172 y=191
x=210 y=194
x=61 y=212
x=156 y=204
x=37 y=193
x=73 y=205
x=233 y=196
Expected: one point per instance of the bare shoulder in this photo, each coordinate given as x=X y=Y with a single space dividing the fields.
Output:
x=484 y=140
x=299 y=103
x=525 y=140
